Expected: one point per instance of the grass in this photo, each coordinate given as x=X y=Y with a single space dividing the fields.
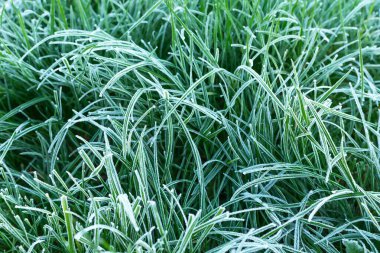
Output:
x=189 y=126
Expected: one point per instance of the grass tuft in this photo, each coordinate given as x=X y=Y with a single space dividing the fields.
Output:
x=189 y=126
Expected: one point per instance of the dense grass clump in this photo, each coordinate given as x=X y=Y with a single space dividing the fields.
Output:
x=189 y=126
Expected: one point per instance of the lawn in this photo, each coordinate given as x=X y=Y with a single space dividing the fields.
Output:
x=190 y=126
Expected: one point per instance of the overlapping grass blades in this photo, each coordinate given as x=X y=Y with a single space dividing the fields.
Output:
x=189 y=126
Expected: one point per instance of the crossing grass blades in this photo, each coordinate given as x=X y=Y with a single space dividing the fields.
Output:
x=189 y=126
